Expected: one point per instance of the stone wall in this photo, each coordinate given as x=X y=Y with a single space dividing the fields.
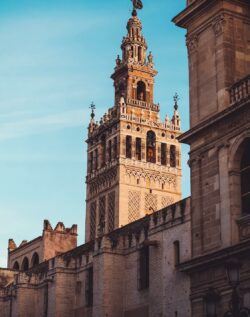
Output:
x=57 y=288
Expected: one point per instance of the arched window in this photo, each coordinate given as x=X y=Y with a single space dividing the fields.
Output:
x=151 y=147
x=172 y=155
x=16 y=266
x=103 y=150
x=163 y=154
x=141 y=91
x=25 y=264
x=128 y=146
x=245 y=179
x=35 y=260
x=139 y=53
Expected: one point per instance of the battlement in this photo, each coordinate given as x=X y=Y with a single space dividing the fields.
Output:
x=59 y=228
x=140 y=230
x=53 y=242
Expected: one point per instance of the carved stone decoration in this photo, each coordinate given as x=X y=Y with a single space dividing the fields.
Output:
x=219 y=25
x=134 y=205
x=93 y=220
x=111 y=211
x=102 y=212
x=192 y=43
x=166 y=201
x=150 y=203
x=157 y=177
x=103 y=180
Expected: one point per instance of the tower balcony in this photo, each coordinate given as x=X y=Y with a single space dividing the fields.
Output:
x=240 y=91
x=143 y=104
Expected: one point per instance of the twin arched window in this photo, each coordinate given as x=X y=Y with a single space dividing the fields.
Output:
x=151 y=147
x=245 y=179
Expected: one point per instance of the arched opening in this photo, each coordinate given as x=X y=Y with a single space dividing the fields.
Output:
x=172 y=155
x=139 y=53
x=16 y=266
x=103 y=150
x=129 y=146
x=245 y=179
x=141 y=91
x=121 y=90
x=25 y=264
x=35 y=260
x=151 y=147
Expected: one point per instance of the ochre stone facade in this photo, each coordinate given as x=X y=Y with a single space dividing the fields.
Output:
x=103 y=277
x=134 y=159
x=169 y=262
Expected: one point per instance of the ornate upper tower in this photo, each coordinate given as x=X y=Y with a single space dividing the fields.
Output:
x=133 y=157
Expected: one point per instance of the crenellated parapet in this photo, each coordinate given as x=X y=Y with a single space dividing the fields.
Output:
x=53 y=241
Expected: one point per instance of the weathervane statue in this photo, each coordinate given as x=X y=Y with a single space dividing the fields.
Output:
x=137 y=5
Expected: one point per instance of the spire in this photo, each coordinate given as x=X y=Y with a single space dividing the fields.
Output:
x=134 y=45
x=134 y=71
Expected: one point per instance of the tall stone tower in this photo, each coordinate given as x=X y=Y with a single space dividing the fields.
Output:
x=134 y=159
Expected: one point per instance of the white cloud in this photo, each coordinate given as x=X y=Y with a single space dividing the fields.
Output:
x=37 y=125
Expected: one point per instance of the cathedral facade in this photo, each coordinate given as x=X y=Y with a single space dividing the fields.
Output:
x=147 y=252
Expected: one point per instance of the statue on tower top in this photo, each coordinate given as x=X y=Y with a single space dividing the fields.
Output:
x=137 y=4
x=92 y=107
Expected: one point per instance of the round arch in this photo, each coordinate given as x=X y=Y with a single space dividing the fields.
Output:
x=236 y=151
x=235 y=155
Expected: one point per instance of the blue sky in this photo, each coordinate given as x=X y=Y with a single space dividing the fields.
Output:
x=56 y=57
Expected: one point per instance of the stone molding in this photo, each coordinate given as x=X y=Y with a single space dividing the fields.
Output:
x=150 y=175
x=192 y=43
x=103 y=180
x=219 y=24
x=244 y=227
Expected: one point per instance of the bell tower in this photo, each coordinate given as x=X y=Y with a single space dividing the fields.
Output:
x=134 y=73
x=133 y=157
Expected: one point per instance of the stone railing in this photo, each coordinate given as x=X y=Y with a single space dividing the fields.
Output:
x=240 y=91
x=141 y=120
x=143 y=104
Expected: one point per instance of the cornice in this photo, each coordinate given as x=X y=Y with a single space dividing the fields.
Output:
x=191 y=12
x=188 y=136
x=215 y=258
